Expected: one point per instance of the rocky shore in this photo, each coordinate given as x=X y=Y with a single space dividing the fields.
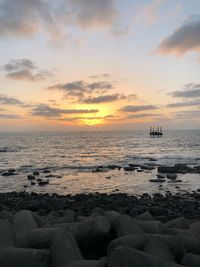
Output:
x=99 y=230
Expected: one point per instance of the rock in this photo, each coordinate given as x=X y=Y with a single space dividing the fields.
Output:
x=23 y=222
x=8 y=173
x=97 y=211
x=195 y=229
x=179 y=223
x=36 y=173
x=31 y=177
x=43 y=182
x=158 y=211
x=146 y=216
x=46 y=171
x=103 y=262
x=129 y=168
x=191 y=260
x=160 y=176
x=41 y=238
x=190 y=242
x=112 y=216
x=178 y=168
x=172 y=176
x=6 y=215
x=158 y=248
x=93 y=236
x=7 y=235
x=125 y=225
x=153 y=227
x=64 y=250
x=23 y=257
x=69 y=216
x=84 y=263
x=126 y=257
x=157 y=180
x=138 y=241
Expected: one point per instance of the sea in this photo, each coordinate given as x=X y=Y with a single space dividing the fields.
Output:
x=79 y=162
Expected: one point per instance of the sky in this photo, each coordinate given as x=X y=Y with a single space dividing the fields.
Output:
x=79 y=65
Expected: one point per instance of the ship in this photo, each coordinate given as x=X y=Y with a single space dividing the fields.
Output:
x=156 y=132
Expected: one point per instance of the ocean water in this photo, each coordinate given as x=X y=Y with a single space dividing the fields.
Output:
x=71 y=159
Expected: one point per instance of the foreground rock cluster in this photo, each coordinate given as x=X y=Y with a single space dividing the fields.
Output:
x=99 y=230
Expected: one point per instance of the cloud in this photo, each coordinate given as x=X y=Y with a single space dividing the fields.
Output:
x=138 y=108
x=100 y=76
x=190 y=91
x=93 y=13
x=80 y=89
x=6 y=100
x=184 y=104
x=184 y=39
x=47 y=111
x=104 y=99
x=9 y=116
x=148 y=13
x=187 y=114
x=143 y=115
x=24 y=18
x=24 y=69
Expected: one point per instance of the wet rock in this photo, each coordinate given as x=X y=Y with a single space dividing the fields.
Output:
x=129 y=168
x=178 y=168
x=172 y=176
x=31 y=177
x=157 y=180
x=64 y=250
x=8 y=173
x=46 y=171
x=21 y=257
x=36 y=173
x=160 y=176
x=43 y=182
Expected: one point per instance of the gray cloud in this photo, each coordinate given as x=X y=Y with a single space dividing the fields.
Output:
x=100 y=76
x=80 y=89
x=24 y=69
x=47 y=111
x=138 y=108
x=6 y=100
x=184 y=104
x=16 y=65
x=26 y=17
x=9 y=116
x=185 y=38
x=143 y=115
x=191 y=114
x=190 y=91
x=104 y=99
x=93 y=13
